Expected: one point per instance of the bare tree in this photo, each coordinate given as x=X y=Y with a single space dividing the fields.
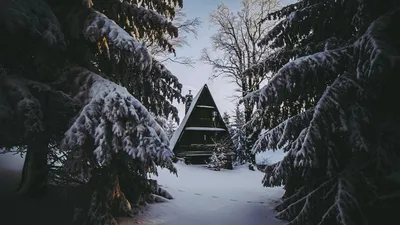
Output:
x=186 y=27
x=235 y=47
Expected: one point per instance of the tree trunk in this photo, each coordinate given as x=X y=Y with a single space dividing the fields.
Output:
x=35 y=172
x=249 y=145
x=107 y=200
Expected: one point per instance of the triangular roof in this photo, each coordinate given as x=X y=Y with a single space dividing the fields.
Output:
x=178 y=133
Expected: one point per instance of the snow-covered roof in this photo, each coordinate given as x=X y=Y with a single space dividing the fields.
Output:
x=178 y=132
x=205 y=128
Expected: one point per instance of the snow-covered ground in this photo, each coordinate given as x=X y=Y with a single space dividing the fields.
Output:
x=269 y=157
x=202 y=196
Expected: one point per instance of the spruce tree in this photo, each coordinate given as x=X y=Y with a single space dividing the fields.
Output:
x=75 y=84
x=239 y=135
x=329 y=106
x=226 y=118
x=170 y=128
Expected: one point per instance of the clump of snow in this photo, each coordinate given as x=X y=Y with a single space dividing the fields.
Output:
x=203 y=196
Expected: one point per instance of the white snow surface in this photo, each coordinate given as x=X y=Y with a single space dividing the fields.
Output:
x=270 y=157
x=203 y=196
x=205 y=106
x=205 y=128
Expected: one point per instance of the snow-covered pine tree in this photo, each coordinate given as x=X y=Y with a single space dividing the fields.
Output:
x=239 y=135
x=62 y=88
x=330 y=107
x=214 y=163
x=219 y=158
x=170 y=128
x=226 y=118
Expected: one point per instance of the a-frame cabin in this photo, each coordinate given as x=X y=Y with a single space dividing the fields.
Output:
x=200 y=130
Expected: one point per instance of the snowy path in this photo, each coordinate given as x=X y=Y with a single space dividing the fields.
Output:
x=210 y=197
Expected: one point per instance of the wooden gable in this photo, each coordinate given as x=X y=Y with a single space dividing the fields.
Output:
x=201 y=127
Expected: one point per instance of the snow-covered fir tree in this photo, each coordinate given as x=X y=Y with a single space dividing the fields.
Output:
x=239 y=135
x=76 y=81
x=218 y=159
x=170 y=128
x=330 y=107
x=226 y=118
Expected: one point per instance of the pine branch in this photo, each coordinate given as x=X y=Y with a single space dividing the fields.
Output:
x=286 y=132
x=116 y=121
x=284 y=55
x=150 y=23
x=20 y=102
x=329 y=112
x=374 y=51
x=287 y=10
x=276 y=174
x=302 y=75
x=22 y=16
x=287 y=32
x=98 y=26
x=297 y=216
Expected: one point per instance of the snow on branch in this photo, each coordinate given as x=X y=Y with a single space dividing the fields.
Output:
x=282 y=56
x=286 y=132
x=300 y=210
x=149 y=19
x=374 y=50
x=35 y=18
x=167 y=75
x=98 y=27
x=276 y=174
x=116 y=121
x=161 y=89
x=285 y=11
x=301 y=74
x=290 y=25
x=329 y=117
x=164 y=7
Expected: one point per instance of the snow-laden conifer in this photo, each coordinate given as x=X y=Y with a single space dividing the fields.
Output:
x=330 y=112
x=78 y=91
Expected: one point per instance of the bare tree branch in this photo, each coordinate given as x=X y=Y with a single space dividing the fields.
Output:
x=235 y=42
x=235 y=46
x=186 y=28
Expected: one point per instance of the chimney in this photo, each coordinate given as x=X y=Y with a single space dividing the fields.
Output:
x=189 y=99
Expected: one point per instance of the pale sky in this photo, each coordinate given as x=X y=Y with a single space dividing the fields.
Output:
x=194 y=78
